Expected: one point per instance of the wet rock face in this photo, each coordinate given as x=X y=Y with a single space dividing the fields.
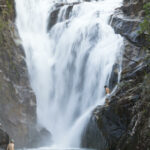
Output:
x=4 y=139
x=17 y=100
x=129 y=29
x=129 y=95
x=92 y=136
x=104 y=129
x=132 y=55
x=114 y=76
x=133 y=7
x=124 y=124
x=53 y=18
x=126 y=21
x=42 y=137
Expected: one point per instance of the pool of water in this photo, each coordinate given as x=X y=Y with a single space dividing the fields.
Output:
x=51 y=148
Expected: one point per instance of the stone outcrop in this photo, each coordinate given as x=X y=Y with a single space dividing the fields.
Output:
x=125 y=124
x=53 y=18
x=17 y=100
x=126 y=21
x=104 y=129
x=4 y=139
x=129 y=29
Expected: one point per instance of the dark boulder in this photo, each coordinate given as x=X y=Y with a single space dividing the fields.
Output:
x=92 y=136
x=133 y=8
x=128 y=28
x=53 y=18
x=104 y=129
x=114 y=76
x=42 y=137
x=4 y=139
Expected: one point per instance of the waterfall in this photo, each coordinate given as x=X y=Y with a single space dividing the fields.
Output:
x=70 y=63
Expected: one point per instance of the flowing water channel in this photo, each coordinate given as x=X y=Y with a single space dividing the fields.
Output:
x=70 y=63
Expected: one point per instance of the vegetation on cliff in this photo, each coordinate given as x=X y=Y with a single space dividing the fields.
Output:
x=145 y=25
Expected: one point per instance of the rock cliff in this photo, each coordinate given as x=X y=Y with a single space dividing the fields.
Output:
x=17 y=100
x=125 y=123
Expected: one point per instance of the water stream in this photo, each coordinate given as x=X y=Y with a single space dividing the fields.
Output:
x=70 y=63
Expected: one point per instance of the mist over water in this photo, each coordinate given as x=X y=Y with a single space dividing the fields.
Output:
x=70 y=64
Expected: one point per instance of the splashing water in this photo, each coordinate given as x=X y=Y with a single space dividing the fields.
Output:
x=70 y=64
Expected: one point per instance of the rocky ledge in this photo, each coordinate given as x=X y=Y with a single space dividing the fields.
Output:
x=54 y=14
x=53 y=18
x=126 y=21
x=124 y=124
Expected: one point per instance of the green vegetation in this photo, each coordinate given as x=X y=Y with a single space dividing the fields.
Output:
x=145 y=25
x=3 y=26
x=7 y=13
x=9 y=6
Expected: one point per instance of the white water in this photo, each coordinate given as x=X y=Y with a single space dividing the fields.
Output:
x=70 y=65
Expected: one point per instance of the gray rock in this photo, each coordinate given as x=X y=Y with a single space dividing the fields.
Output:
x=128 y=28
x=104 y=131
x=41 y=137
x=53 y=18
x=92 y=136
x=132 y=55
x=4 y=139
x=133 y=8
x=114 y=76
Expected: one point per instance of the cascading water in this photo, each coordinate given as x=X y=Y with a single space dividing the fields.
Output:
x=70 y=64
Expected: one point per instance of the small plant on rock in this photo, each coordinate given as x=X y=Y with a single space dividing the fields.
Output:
x=145 y=25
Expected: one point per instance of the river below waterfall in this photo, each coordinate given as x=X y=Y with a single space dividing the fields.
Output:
x=69 y=63
x=49 y=148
